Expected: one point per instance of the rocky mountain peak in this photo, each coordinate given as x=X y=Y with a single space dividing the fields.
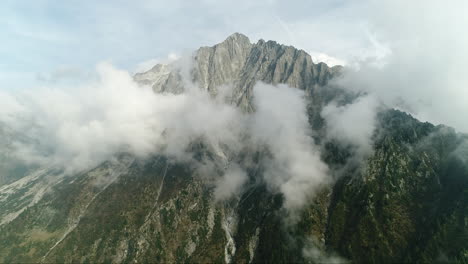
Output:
x=238 y=63
x=221 y=64
x=237 y=39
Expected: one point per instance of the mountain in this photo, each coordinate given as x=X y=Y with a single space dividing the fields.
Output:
x=406 y=202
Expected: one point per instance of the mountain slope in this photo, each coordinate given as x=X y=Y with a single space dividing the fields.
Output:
x=409 y=200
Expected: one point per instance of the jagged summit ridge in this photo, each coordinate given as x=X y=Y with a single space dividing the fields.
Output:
x=222 y=63
x=237 y=39
x=239 y=63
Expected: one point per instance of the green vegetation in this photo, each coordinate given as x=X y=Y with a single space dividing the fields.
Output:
x=406 y=203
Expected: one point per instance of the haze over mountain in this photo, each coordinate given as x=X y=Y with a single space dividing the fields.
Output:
x=240 y=152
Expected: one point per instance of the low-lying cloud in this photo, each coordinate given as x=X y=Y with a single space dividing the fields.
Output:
x=281 y=123
x=231 y=182
x=423 y=69
x=78 y=127
x=352 y=124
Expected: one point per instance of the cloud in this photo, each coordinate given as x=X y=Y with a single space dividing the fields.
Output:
x=230 y=183
x=314 y=251
x=414 y=64
x=280 y=122
x=148 y=64
x=424 y=51
x=64 y=73
x=79 y=126
x=422 y=70
x=327 y=59
x=352 y=124
x=461 y=152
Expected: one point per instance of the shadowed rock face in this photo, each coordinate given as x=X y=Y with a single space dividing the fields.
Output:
x=406 y=203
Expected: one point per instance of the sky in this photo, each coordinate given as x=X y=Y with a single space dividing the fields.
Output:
x=411 y=55
x=46 y=40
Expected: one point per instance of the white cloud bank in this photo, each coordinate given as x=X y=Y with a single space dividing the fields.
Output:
x=353 y=124
x=281 y=123
x=78 y=127
x=422 y=70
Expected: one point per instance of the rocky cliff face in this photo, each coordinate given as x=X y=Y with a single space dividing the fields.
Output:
x=406 y=203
